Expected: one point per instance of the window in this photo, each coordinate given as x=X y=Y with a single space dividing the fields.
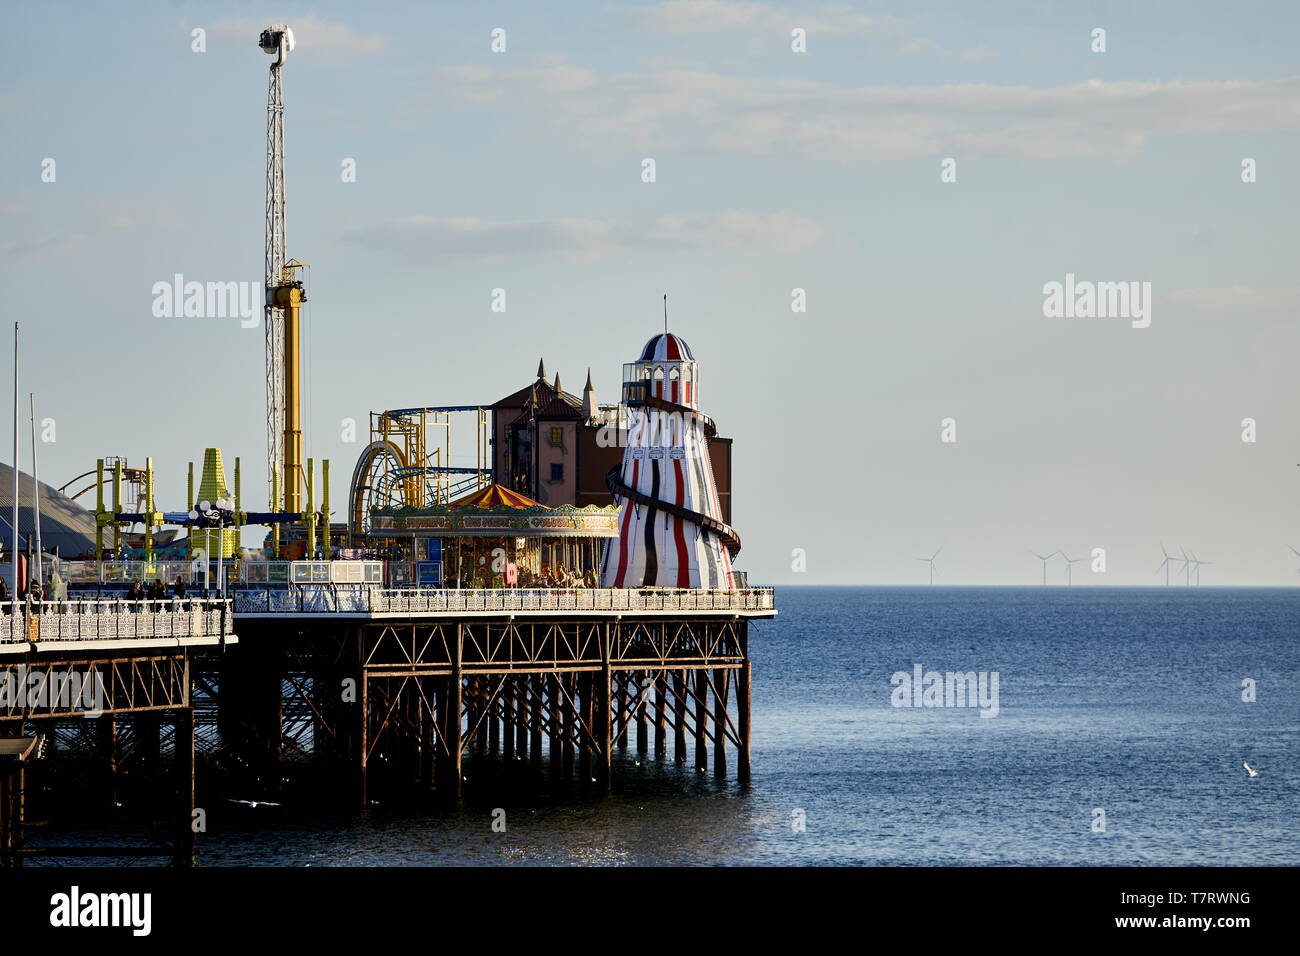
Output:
x=557 y=435
x=557 y=472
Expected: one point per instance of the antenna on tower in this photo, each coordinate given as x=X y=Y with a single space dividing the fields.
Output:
x=665 y=313
x=277 y=41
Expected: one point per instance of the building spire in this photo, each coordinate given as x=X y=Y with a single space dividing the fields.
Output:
x=588 y=399
x=541 y=369
x=557 y=385
x=665 y=313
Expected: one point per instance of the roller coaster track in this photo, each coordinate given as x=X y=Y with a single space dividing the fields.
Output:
x=614 y=481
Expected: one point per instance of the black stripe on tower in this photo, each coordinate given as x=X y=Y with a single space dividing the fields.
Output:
x=651 y=558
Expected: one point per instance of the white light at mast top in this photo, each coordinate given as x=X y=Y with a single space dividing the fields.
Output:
x=270 y=39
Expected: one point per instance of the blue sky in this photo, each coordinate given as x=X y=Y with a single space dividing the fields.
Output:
x=775 y=170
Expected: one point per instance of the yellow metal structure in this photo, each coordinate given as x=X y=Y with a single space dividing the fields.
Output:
x=117 y=505
x=289 y=297
x=148 y=510
x=403 y=467
x=239 y=514
x=310 y=551
x=212 y=486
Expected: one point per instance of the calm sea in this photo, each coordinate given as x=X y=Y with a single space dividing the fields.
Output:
x=1119 y=738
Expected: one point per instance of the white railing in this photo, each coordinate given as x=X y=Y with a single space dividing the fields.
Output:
x=115 y=620
x=427 y=601
x=126 y=572
x=269 y=573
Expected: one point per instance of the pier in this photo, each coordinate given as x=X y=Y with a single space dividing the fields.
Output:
x=555 y=677
x=93 y=675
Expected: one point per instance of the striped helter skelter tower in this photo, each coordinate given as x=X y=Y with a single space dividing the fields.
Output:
x=671 y=532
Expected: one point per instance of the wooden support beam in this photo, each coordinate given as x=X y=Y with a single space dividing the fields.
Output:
x=478 y=711
x=701 y=718
x=271 y=685
x=585 y=708
x=184 y=748
x=679 y=716
x=429 y=732
x=641 y=688
x=508 y=712
x=623 y=678
x=493 y=723
x=8 y=819
x=566 y=701
x=452 y=728
x=661 y=714
x=720 y=692
x=148 y=741
x=364 y=720
x=521 y=716
x=106 y=743
x=535 y=718
x=553 y=727
x=742 y=711
x=601 y=716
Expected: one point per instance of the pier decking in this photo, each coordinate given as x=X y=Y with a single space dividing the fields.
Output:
x=511 y=672
x=104 y=660
x=385 y=690
x=378 y=603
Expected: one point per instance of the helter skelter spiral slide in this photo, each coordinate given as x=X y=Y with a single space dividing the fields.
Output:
x=671 y=532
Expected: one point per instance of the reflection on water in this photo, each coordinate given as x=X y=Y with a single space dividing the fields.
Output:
x=1127 y=700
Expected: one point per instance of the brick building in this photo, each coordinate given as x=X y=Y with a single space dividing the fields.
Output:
x=556 y=447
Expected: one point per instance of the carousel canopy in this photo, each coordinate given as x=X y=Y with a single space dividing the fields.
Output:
x=495 y=496
x=495 y=512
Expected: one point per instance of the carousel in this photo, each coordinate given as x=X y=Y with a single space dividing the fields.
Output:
x=498 y=538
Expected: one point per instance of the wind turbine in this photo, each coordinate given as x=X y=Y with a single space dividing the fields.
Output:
x=1187 y=565
x=1165 y=563
x=1069 y=566
x=930 y=561
x=1044 y=558
x=1198 y=562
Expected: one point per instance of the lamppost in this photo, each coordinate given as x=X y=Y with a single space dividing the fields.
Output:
x=210 y=515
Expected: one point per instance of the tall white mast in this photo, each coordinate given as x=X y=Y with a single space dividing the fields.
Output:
x=36 y=489
x=13 y=593
x=276 y=40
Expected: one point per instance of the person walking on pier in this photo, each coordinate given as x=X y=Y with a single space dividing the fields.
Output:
x=57 y=591
x=5 y=604
x=178 y=591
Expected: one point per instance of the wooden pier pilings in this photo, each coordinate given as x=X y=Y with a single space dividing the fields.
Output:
x=581 y=684
x=560 y=696
x=356 y=707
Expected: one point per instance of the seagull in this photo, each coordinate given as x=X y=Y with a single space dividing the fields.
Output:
x=1253 y=773
x=253 y=803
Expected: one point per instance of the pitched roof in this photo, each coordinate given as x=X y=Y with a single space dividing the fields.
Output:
x=521 y=398
x=545 y=393
x=559 y=408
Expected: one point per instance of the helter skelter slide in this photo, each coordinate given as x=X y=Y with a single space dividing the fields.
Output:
x=671 y=533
